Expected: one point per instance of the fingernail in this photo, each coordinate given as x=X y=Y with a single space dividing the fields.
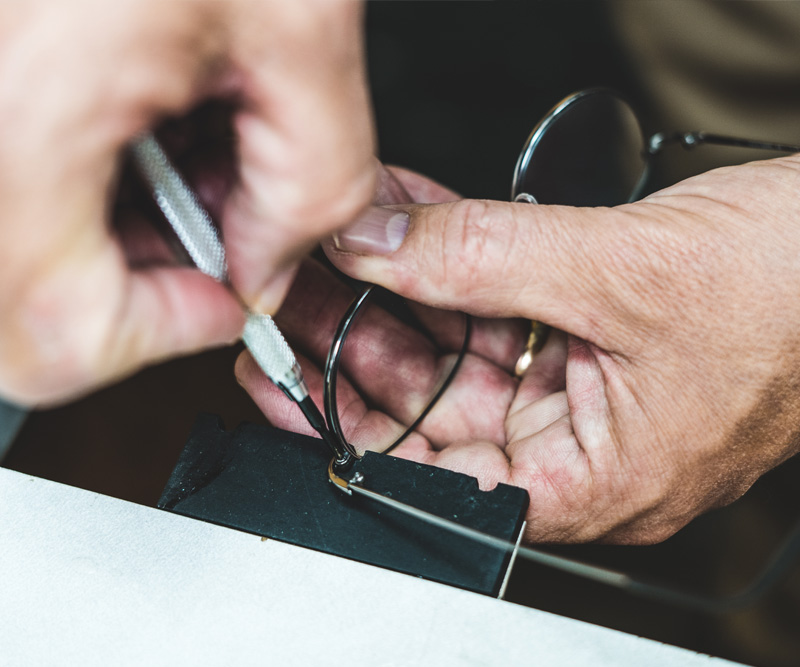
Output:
x=379 y=231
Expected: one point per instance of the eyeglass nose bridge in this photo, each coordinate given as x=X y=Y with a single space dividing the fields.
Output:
x=658 y=141
x=588 y=150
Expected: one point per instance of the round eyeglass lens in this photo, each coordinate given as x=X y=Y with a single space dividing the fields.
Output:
x=390 y=361
x=589 y=150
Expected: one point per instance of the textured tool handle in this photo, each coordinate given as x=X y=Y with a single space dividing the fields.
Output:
x=194 y=228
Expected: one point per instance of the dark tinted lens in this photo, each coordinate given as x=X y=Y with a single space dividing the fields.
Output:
x=588 y=151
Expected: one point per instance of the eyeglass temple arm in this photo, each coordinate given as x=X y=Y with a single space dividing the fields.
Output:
x=691 y=139
x=783 y=560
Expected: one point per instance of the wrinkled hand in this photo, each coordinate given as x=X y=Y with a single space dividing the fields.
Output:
x=677 y=383
x=84 y=301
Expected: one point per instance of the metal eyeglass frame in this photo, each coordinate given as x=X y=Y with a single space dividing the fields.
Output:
x=334 y=359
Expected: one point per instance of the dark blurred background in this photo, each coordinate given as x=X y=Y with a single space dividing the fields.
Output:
x=457 y=88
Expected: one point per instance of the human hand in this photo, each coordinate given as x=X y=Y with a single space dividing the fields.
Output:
x=676 y=384
x=85 y=301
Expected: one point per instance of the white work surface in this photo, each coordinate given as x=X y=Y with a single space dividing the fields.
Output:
x=91 y=580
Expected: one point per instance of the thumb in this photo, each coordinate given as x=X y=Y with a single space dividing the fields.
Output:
x=577 y=269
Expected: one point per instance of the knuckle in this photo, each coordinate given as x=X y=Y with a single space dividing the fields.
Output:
x=469 y=220
x=311 y=19
x=477 y=241
x=307 y=204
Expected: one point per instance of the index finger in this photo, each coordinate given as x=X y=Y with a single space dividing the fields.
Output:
x=305 y=136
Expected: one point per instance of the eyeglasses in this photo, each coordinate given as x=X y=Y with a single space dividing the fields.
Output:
x=589 y=150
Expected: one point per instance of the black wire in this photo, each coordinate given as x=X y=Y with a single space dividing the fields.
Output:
x=461 y=354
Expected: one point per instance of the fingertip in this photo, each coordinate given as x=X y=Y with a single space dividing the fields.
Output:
x=250 y=376
x=418 y=188
x=242 y=367
x=389 y=188
x=379 y=231
x=482 y=460
x=268 y=299
x=277 y=408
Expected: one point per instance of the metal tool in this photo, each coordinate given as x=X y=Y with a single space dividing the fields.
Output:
x=197 y=233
